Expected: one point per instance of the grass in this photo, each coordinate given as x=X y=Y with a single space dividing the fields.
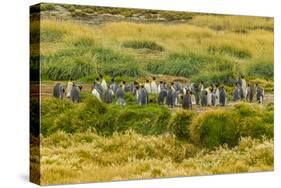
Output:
x=150 y=45
x=71 y=158
x=208 y=129
x=193 y=51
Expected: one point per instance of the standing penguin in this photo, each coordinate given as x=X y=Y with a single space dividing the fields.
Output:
x=198 y=91
x=217 y=95
x=242 y=85
x=75 y=94
x=58 y=91
x=97 y=85
x=203 y=99
x=103 y=83
x=69 y=88
x=137 y=93
x=120 y=95
x=153 y=86
x=160 y=86
x=209 y=96
x=108 y=95
x=113 y=85
x=236 y=92
x=147 y=86
x=143 y=96
x=96 y=93
x=260 y=94
x=187 y=104
x=213 y=97
x=193 y=99
x=162 y=97
x=250 y=92
x=170 y=99
x=223 y=96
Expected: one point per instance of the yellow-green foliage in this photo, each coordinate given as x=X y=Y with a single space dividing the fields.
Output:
x=192 y=49
x=87 y=157
x=210 y=129
x=58 y=115
x=225 y=126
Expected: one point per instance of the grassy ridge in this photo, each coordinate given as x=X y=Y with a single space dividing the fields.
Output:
x=206 y=129
x=186 y=50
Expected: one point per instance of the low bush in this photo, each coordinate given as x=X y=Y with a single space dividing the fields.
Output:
x=226 y=126
x=231 y=51
x=261 y=69
x=93 y=114
x=70 y=68
x=180 y=123
x=150 y=45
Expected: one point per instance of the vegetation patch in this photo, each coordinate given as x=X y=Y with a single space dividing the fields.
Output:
x=219 y=127
x=150 y=45
x=231 y=51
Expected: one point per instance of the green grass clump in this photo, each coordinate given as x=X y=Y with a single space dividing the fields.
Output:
x=215 y=128
x=150 y=45
x=180 y=124
x=226 y=126
x=85 y=58
x=231 y=51
x=93 y=114
x=210 y=69
x=179 y=65
x=70 y=68
x=261 y=69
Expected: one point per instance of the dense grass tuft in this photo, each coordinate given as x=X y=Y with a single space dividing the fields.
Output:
x=218 y=127
x=180 y=124
x=106 y=120
x=150 y=45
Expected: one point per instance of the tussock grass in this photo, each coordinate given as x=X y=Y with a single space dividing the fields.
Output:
x=150 y=45
x=193 y=51
x=88 y=157
x=208 y=129
x=106 y=120
x=226 y=126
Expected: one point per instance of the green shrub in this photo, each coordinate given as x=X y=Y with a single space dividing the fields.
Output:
x=255 y=121
x=179 y=65
x=64 y=116
x=68 y=69
x=214 y=128
x=128 y=69
x=262 y=69
x=149 y=119
x=231 y=51
x=226 y=126
x=179 y=124
x=151 y=45
x=84 y=58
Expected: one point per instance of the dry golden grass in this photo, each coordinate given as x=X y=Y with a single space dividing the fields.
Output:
x=175 y=38
x=87 y=157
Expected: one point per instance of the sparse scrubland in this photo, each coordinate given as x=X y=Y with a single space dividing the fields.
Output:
x=93 y=141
